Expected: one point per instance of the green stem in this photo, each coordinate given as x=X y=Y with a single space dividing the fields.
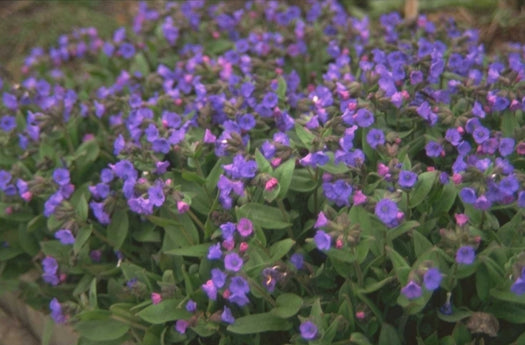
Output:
x=316 y=198
x=197 y=220
x=285 y=217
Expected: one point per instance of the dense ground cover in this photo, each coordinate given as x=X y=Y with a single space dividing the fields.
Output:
x=258 y=172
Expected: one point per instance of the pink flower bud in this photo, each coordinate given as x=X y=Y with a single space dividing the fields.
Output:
x=215 y=34
x=520 y=148
x=276 y=162
x=382 y=169
x=228 y=244
x=182 y=207
x=156 y=298
x=168 y=182
x=360 y=315
x=243 y=247
x=339 y=243
x=27 y=196
x=461 y=130
x=327 y=177
x=278 y=71
x=178 y=101
x=461 y=219
x=457 y=178
x=226 y=294
x=88 y=137
x=431 y=169
x=8 y=210
x=271 y=184
x=62 y=277
x=359 y=198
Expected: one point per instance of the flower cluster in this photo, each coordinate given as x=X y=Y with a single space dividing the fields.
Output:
x=284 y=164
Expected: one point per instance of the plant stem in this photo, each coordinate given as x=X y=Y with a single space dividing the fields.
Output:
x=197 y=220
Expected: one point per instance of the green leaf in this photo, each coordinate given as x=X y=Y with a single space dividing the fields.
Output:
x=100 y=330
x=140 y=64
x=167 y=310
x=258 y=323
x=197 y=251
x=482 y=282
x=421 y=243
x=86 y=153
x=507 y=295
x=341 y=255
x=399 y=263
x=457 y=315
x=281 y=89
x=422 y=188
x=82 y=237
x=359 y=339
x=118 y=228
x=280 y=249
x=388 y=335
x=302 y=181
x=213 y=176
x=304 y=135
x=284 y=174
x=401 y=229
x=264 y=216
x=262 y=164
x=93 y=303
x=288 y=304
x=81 y=208
x=374 y=286
x=446 y=198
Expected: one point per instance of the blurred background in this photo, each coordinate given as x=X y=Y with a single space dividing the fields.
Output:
x=25 y=24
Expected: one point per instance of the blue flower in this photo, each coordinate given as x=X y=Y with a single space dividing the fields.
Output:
x=322 y=240
x=386 y=210
x=308 y=330
x=65 y=236
x=465 y=255
x=412 y=290
x=407 y=179
x=432 y=279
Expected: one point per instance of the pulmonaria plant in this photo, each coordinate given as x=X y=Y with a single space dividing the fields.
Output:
x=261 y=172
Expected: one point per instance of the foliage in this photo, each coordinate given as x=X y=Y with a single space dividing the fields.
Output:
x=268 y=173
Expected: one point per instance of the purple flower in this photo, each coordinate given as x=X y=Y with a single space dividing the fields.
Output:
x=214 y=252
x=506 y=146
x=407 y=179
x=239 y=285
x=181 y=325
x=321 y=220
x=218 y=277
x=227 y=315
x=465 y=255
x=338 y=192
x=375 y=137
x=270 y=100
x=241 y=168
x=233 y=262
x=56 y=311
x=210 y=290
x=297 y=260
x=453 y=136
x=432 y=279
x=386 y=210
x=127 y=50
x=480 y=134
x=5 y=178
x=518 y=287
x=245 y=227
x=7 y=123
x=61 y=176
x=308 y=330
x=468 y=195
x=191 y=306
x=364 y=118
x=322 y=240
x=50 y=268
x=156 y=195
x=65 y=236
x=433 y=149
x=412 y=290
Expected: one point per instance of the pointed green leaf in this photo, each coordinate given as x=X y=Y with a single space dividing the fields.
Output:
x=258 y=323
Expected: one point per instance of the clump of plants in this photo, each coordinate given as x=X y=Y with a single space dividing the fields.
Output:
x=254 y=173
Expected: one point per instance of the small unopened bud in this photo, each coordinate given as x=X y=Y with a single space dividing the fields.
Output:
x=27 y=196
x=360 y=315
x=457 y=178
x=276 y=162
x=182 y=207
x=228 y=244
x=339 y=243
x=243 y=247
x=271 y=184
x=156 y=298
x=226 y=294
x=461 y=219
